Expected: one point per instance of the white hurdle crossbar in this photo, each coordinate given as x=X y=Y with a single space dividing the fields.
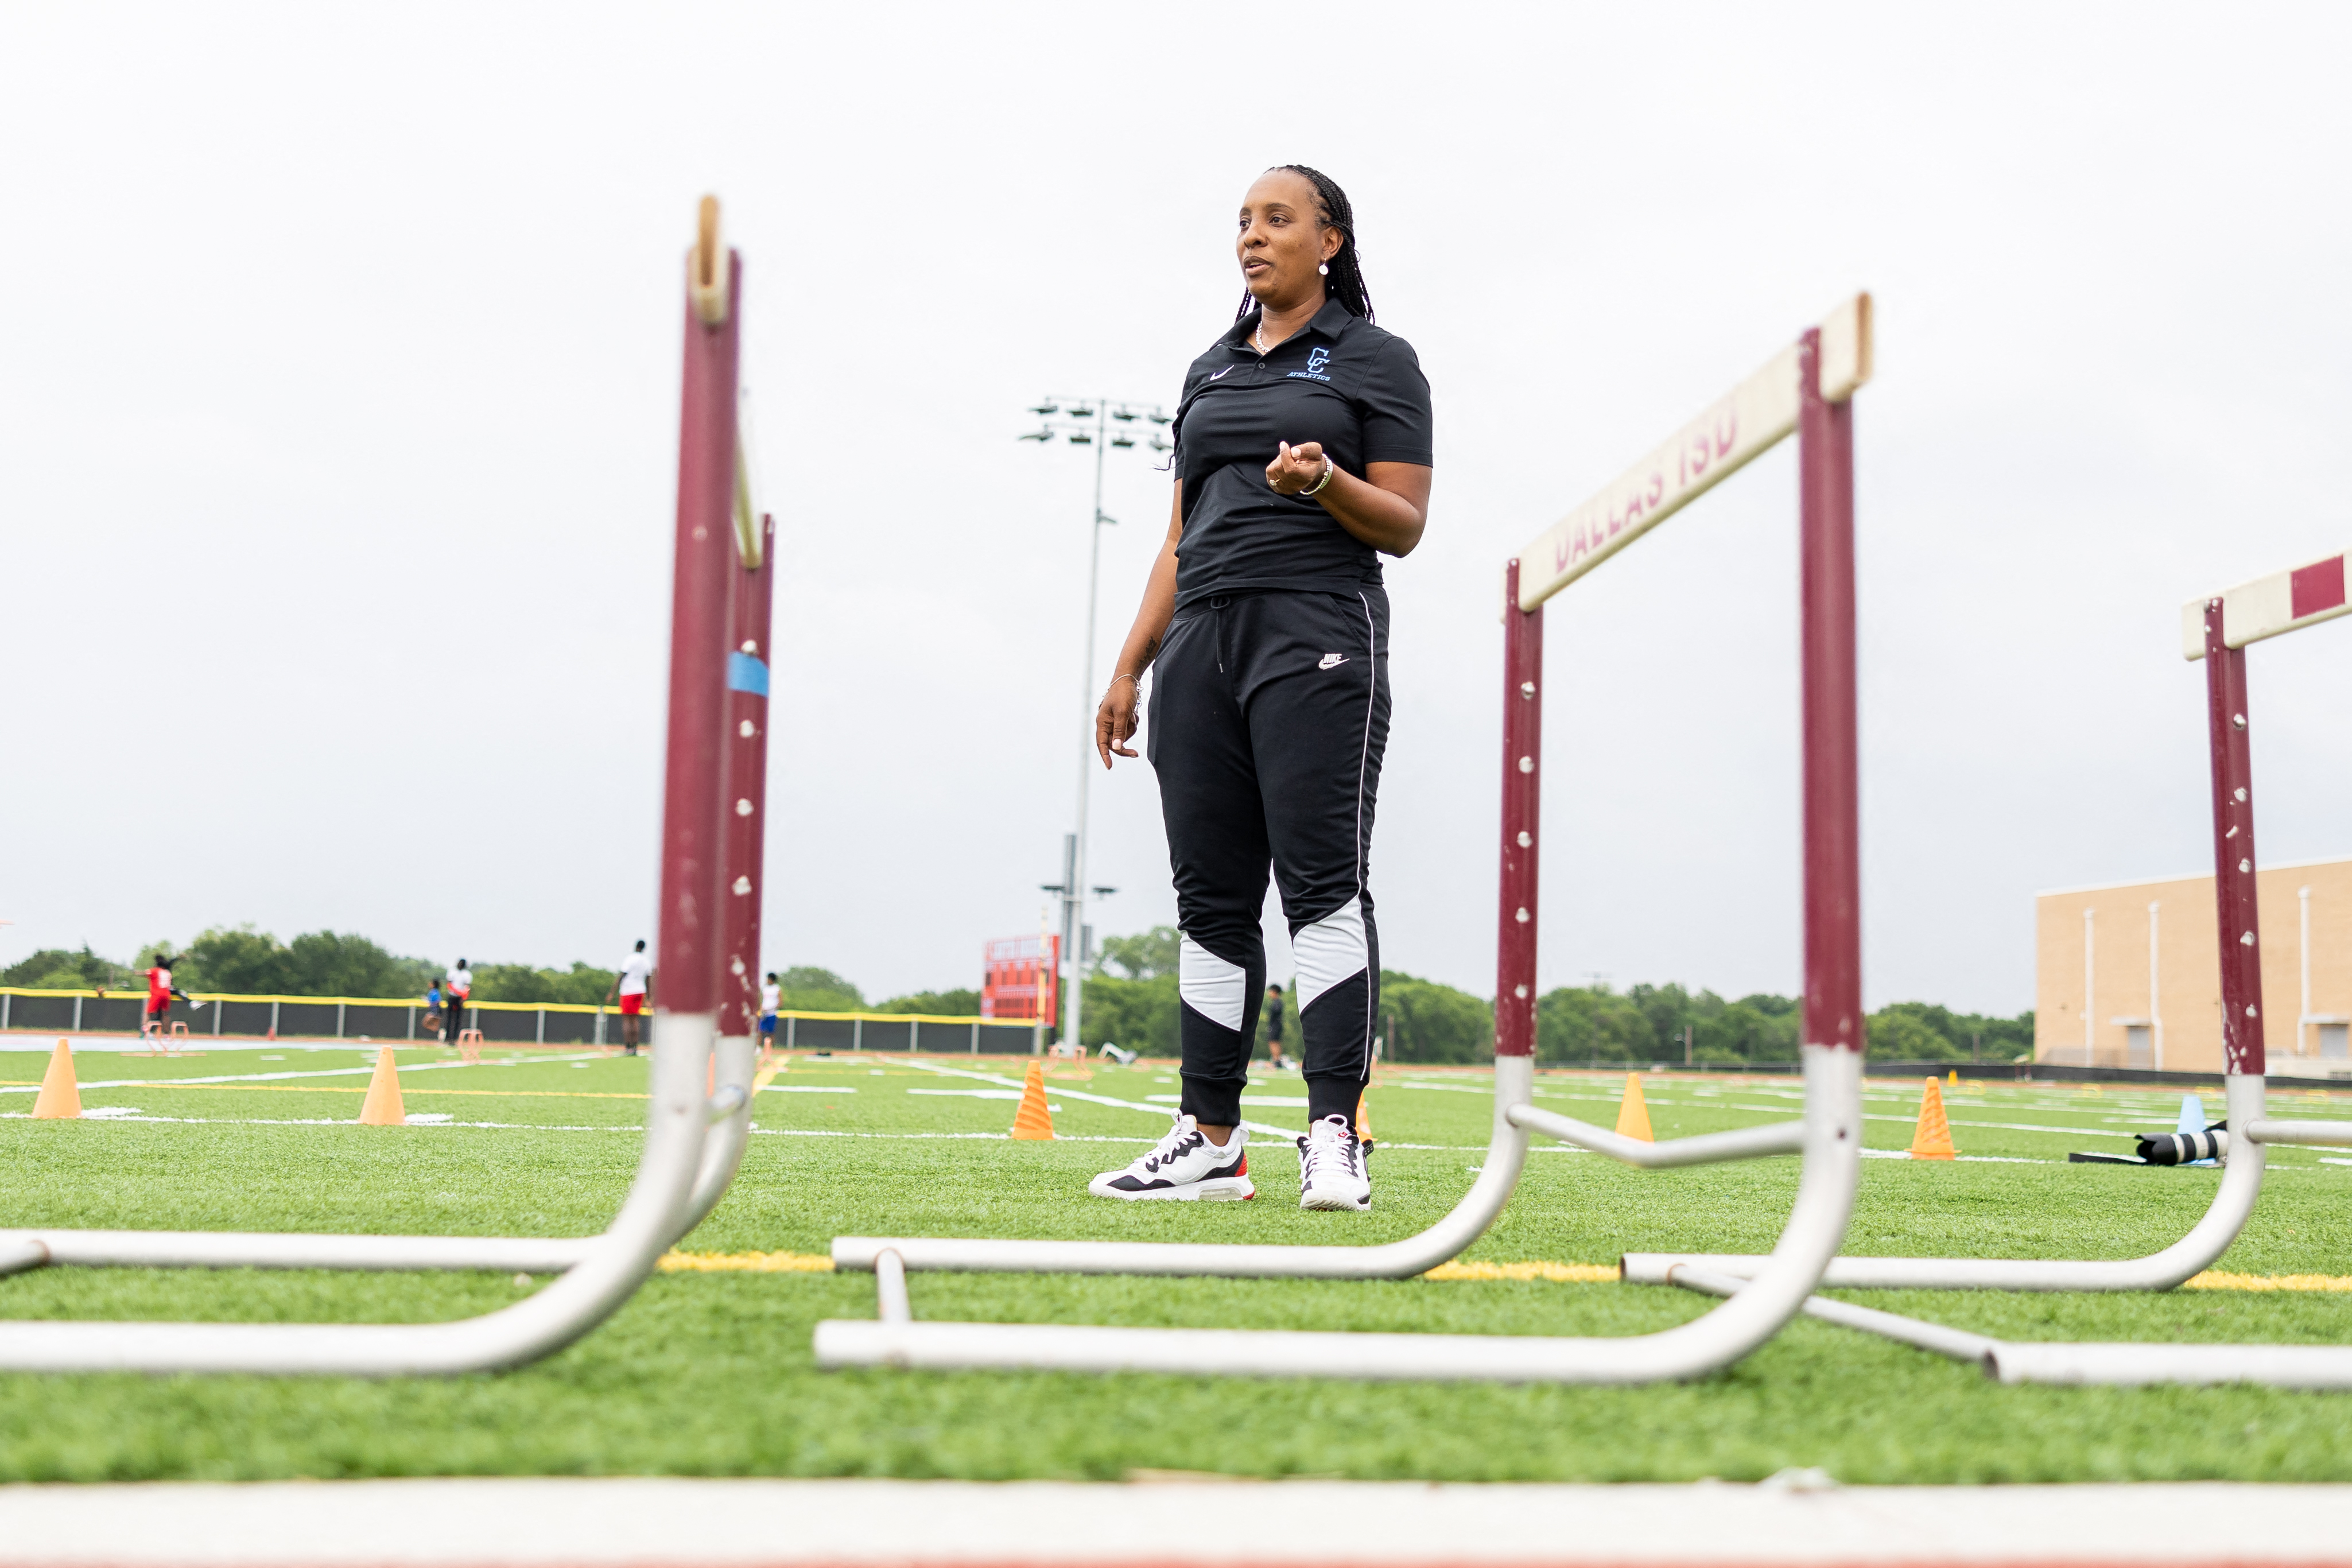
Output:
x=1804 y=390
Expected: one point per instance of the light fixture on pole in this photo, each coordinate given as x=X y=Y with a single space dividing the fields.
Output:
x=1102 y=424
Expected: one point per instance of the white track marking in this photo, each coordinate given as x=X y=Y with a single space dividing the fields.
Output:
x=1970 y=1159
x=1159 y=1110
x=559 y=1127
x=606 y=1522
x=277 y=1077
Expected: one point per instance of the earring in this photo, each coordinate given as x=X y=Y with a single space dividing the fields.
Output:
x=1325 y=268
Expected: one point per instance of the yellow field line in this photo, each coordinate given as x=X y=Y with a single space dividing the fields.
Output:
x=1558 y=1273
x=2212 y=1280
x=745 y=1262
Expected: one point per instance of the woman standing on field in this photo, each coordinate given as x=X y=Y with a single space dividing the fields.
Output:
x=1302 y=456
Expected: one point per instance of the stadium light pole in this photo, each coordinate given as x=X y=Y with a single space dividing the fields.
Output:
x=1100 y=423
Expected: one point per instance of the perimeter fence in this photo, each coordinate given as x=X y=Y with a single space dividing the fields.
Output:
x=380 y=1019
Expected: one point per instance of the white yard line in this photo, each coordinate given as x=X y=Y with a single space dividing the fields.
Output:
x=331 y=1121
x=321 y=1072
x=1970 y=1159
x=756 y=1130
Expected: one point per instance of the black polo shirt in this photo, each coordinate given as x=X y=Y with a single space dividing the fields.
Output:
x=1340 y=381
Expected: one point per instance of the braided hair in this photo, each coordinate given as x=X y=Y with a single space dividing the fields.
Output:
x=1345 y=282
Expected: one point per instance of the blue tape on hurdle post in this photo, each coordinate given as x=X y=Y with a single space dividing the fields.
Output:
x=745 y=673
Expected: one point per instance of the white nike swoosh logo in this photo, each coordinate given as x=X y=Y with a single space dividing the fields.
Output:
x=1222 y=373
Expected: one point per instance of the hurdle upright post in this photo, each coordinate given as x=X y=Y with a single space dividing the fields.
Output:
x=693 y=854
x=1833 y=1005
x=745 y=808
x=744 y=812
x=1515 y=942
x=2234 y=849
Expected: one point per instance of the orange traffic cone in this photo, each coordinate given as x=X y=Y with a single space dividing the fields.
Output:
x=1363 y=1119
x=382 y=1107
x=1932 y=1140
x=1633 y=1111
x=1032 y=1120
x=60 y=1095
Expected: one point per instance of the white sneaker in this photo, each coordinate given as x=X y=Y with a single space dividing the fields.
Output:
x=1186 y=1166
x=1331 y=1173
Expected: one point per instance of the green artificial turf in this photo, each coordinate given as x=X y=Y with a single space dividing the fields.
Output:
x=710 y=1372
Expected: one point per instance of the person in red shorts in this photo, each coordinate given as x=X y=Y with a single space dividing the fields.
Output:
x=160 y=992
x=630 y=985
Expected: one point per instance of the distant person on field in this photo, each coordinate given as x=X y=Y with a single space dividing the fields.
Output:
x=1274 y=1027
x=433 y=1006
x=636 y=974
x=456 y=985
x=160 y=992
x=770 y=996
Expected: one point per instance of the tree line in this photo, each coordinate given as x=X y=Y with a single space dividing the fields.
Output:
x=1131 y=1001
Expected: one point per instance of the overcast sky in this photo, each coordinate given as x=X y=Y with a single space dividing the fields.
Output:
x=338 y=438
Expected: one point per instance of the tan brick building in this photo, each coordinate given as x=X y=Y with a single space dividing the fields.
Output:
x=2143 y=953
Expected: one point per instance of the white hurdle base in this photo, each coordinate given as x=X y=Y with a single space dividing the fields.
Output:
x=1234 y=1352
x=1833 y=1160
x=723 y=1153
x=2311 y=1367
x=2316 y=1367
x=1707 y=1149
x=676 y=1125
x=1498 y=1174
x=2241 y=1182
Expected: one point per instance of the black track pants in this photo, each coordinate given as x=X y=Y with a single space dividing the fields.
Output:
x=1269 y=714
